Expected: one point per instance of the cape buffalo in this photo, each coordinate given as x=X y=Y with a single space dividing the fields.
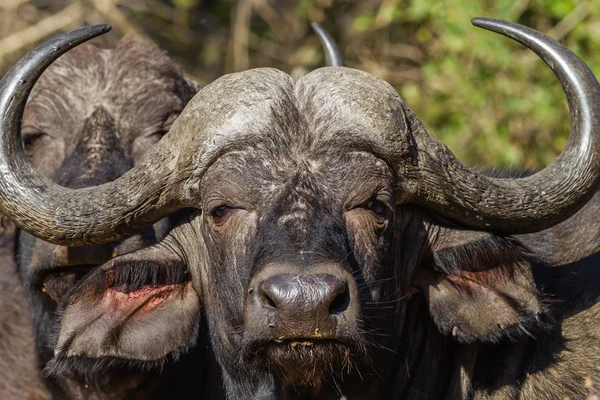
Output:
x=335 y=248
x=90 y=118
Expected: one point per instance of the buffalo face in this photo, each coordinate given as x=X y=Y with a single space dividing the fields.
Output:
x=299 y=240
x=91 y=118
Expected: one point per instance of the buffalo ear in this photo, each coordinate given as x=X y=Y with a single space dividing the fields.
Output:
x=480 y=287
x=139 y=307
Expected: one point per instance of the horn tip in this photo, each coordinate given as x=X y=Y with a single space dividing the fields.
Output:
x=477 y=21
x=77 y=36
x=487 y=23
x=333 y=56
x=101 y=28
x=73 y=38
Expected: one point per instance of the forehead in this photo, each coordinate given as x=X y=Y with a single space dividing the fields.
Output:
x=88 y=76
x=326 y=133
x=277 y=117
x=300 y=172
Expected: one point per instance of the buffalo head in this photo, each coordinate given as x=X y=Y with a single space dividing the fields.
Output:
x=312 y=205
x=90 y=118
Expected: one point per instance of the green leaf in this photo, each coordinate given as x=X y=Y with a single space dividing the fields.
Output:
x=363 y=23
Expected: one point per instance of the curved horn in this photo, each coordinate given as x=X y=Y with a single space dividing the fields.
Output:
x=535 y=202
x=74 y=216
x=333 y=55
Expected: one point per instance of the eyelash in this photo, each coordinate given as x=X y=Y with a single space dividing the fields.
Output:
x=220 y=213
x=376 y=206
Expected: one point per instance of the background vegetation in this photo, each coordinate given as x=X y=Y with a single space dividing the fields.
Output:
x=490 y=100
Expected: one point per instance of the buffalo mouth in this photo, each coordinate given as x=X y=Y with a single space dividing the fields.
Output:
x=305 y=361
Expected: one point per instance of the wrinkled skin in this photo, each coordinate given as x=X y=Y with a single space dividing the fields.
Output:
x=315 y=203
x=90 y=118
x=316 y=283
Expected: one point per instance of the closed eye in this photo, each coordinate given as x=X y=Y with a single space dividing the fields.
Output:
x=31 y=140
x=159 y=131
x=157 y=135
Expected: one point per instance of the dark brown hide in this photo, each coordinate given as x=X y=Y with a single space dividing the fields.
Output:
x=303 y=190
x=314 y=181
x=90 y=118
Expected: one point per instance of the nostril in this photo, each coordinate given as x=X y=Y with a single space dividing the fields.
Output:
x=267 y=300
x=340 y=303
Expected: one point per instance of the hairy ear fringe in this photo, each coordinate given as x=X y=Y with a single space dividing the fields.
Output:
x=498 y=265
x=487 y=253
x=128 y=276
x=89 y=368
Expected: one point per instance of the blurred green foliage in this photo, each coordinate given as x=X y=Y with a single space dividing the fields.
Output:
x=493 y=102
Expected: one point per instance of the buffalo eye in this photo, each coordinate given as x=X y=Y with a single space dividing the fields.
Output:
x=377 y=207
x=378 y=210
x=31 y=141
x=220 y=214
x=166 y=125
x=153 y=134
x=157 y=135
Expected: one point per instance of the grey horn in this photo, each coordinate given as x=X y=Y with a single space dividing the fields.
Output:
x=333 y=55
x=74 y=216
x=531 y=203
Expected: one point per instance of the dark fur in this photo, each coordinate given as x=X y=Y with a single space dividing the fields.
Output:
x=91 y=117
x=21 y=377
x=445 y=311
x=293 y=169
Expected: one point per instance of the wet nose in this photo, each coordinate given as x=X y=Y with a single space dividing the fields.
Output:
x=311 y=296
